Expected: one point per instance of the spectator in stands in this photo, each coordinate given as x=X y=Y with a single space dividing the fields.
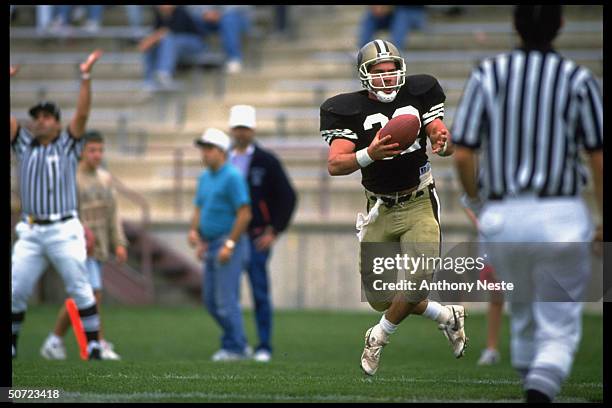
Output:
x=282 y=22
x=44 y=17
x=103 y=231
x=231 y=22
x=454 y=11
x=281 y=12
x=176 y=35
x=272 y=204
x=221 y=216
x=134 y=15
x=399 y=20
x=64 y=17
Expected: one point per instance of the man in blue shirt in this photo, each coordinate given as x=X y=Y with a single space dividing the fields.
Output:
x=221 y=216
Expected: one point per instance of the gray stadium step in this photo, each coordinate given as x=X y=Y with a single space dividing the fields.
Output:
x=351 y=15
x=77 y=33
x=422 y=41
x=63 y=58
x=469 y=56
x=71 y=86
x=114 y=15
x=435 y=28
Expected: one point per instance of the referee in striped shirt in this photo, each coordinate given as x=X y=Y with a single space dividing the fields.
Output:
x=50 y=230
x=528 y=113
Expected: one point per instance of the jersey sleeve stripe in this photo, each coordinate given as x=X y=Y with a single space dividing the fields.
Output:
x=330 y=135
x=434 y=113
x=440 y=105
x=428 y=121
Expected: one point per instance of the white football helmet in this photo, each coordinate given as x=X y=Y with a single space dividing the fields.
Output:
x=373 y=53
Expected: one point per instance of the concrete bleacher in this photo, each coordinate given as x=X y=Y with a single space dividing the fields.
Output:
x=290 y=79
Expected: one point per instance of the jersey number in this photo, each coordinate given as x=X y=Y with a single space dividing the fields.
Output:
x=375 y=118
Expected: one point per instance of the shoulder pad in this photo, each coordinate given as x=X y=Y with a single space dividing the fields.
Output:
x=420 y=84
x=345 y=104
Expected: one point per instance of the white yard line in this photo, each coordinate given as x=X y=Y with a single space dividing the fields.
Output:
x=154 y=396
x=363 y=379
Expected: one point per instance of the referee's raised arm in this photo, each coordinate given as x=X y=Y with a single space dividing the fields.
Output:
x=14 y=125
x=79 y=121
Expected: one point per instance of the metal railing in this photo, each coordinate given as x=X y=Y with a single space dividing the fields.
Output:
x=179 y=165
x=145 y=277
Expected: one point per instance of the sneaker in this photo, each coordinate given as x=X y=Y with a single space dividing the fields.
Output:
x=454 y=331
x=78 y=13
x=53 y=348
x=375 y=340
x=150 y=87
x=233 y=67
x=59 y=28
x=166 y=81
x=226 y=355
x=262 y=356
x=489 y=357
x=91 y=26
x=107 y=351
x=94 y=350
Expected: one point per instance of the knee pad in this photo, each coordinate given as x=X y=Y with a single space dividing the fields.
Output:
x=19 y=301
x=416 y=296
x=379 y=306
x=82 y=294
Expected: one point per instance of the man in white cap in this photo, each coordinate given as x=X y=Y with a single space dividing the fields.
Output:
x=221 y=216
x=273 y=200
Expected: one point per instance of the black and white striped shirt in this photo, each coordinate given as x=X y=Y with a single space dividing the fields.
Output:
x=530 y=112
x=47 y=175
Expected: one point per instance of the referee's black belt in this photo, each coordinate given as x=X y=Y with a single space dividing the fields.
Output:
x=32 y=220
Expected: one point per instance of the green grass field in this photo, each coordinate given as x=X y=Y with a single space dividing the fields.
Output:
x=166 y=355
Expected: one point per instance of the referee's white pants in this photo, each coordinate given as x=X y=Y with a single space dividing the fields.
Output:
x=544 y=335
x=63 y=244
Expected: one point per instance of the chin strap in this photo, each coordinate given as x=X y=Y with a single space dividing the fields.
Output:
x=385 y=97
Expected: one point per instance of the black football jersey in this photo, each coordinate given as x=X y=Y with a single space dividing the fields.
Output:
x=355 y=117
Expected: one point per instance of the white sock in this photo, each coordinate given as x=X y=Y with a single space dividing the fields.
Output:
x=91 y=344
x=387 y=326
x=55 y=338
x=437 y=312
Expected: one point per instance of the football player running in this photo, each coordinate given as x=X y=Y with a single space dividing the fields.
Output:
x=402 y=203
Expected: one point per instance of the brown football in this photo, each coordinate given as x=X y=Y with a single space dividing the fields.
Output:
x=403 y=129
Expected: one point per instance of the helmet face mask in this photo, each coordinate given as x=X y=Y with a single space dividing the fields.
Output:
x=373 y=53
